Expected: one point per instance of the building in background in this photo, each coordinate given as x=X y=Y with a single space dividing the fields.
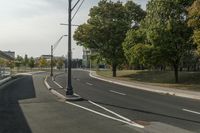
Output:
x=46 y=57
x=10 y=53
x=86 y=58
x=90 y=58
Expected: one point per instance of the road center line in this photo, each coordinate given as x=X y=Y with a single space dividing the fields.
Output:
x=191 y=111
x=89 y=84
x=118 y=92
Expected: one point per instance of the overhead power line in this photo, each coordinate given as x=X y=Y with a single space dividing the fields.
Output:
x=75 y=5
x=78 y=9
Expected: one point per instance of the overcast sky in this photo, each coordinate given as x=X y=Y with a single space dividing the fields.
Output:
x=31 y=26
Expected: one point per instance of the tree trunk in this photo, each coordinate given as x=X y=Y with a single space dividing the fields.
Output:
x=176 y=73
x=114 y=70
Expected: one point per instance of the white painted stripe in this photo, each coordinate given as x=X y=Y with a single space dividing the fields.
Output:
x=89 y=84
x=120 y=116
x=78 y=79
x=191 y=111
x=57 y=84
x=93 y=111
x=58 y=94
x=104 y=115
x=118 y=92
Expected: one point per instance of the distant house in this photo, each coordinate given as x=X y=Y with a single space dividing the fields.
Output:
x=47 y=57
x=10 y=53
x=5 y=56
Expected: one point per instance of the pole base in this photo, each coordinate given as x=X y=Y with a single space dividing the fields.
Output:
x=73 y=98
x=69 y=91
x=70 y=96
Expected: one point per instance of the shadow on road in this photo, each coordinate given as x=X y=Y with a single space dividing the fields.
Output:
x=12 y=119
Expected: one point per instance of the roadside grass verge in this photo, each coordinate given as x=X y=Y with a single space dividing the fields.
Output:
x=187 y=80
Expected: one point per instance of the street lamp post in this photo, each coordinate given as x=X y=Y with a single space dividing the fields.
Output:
x=69 y=81
x=51 y=60
x=53 y=47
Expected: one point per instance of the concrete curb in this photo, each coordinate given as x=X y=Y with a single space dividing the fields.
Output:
x=168 y=92
x=74 y=97
x=47 y=85
x=5 y=80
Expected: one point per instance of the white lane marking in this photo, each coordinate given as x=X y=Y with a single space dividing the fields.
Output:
x=118 y=92
x=78 y=79
x=104 y=115
x=122 y=117
x=47 y=85
x=58 y=94
x=58 y=84
x=89 y=84
x=191 y=111
x=95 y=112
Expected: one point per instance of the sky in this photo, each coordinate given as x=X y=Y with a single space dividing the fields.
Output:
x=32 y=26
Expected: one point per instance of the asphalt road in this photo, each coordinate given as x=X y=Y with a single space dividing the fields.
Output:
x=158 y=112
x=27 y=106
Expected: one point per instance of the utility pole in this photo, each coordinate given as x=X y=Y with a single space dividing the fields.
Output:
x=51 y=60
x=69 y=81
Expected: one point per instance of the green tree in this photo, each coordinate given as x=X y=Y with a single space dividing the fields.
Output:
x=26 y=60
x=106 y=29
x=194 y=22
x=167 y=30
x=10 y=64
x=60 y=63
x=43 y=62
x=18 y=62
x=31 y=63
x=134 y=38
x=2 y=62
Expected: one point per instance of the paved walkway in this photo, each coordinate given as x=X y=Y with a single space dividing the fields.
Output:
x=157 y=89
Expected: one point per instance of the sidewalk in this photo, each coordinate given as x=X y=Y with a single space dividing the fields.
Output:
x=157 y=89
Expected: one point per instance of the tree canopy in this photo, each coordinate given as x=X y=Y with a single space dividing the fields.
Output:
x=106 y=29
x=194 y=21
x=163 y=36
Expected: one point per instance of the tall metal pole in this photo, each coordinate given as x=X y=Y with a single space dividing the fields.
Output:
x=51 y=60
x=69 y=85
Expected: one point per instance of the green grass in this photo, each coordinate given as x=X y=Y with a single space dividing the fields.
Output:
x=187 y=80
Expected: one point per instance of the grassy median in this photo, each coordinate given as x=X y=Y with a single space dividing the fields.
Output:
x=187 y=80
